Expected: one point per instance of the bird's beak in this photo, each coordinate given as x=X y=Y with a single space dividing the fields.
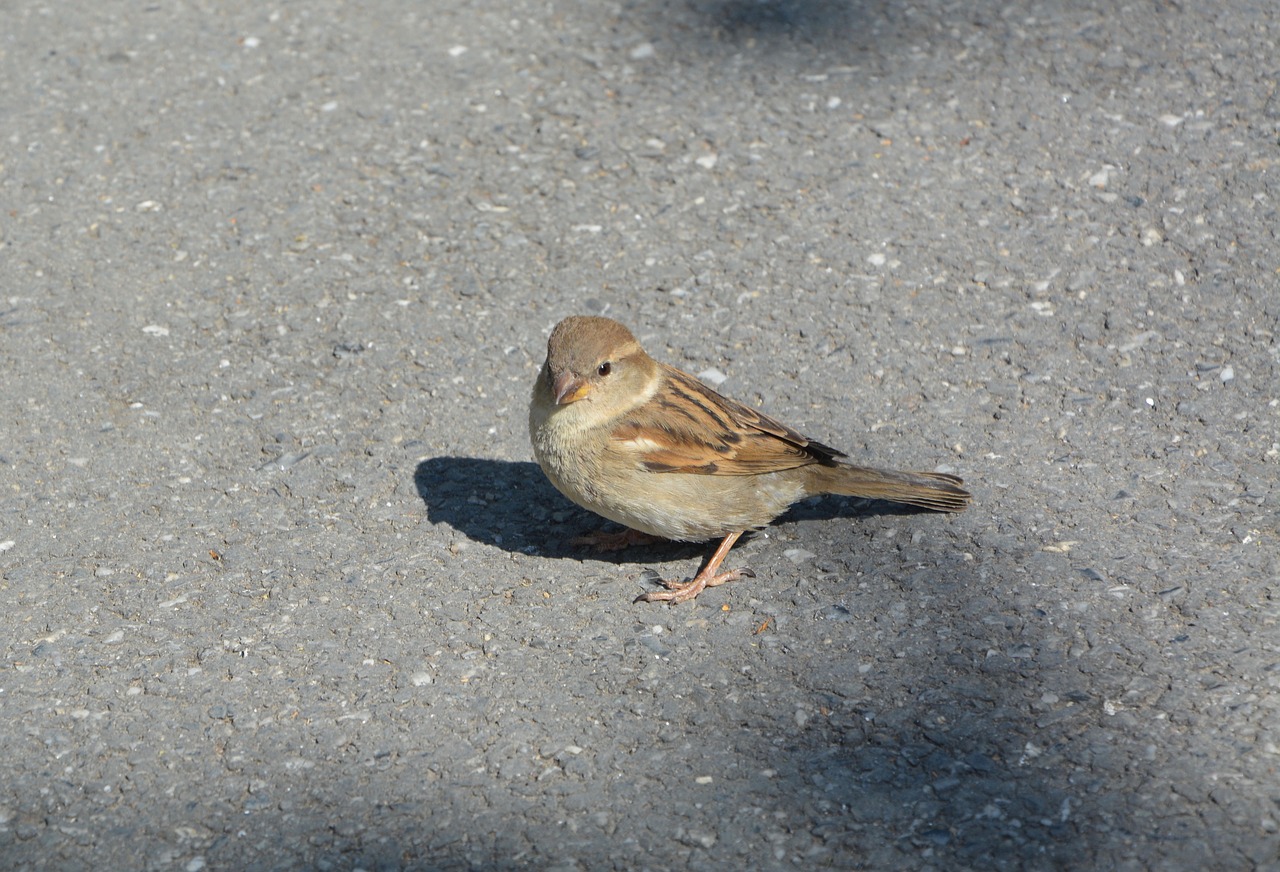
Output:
x=569 y=388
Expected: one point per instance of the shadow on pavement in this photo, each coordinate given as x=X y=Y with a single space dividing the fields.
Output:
x=511 y=505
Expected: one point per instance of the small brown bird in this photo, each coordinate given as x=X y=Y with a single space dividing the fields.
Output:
x=656 y=450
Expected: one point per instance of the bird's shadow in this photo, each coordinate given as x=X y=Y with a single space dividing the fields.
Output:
x=818 y=22
x=511 y=505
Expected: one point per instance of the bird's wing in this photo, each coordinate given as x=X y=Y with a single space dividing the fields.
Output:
x=687 y=427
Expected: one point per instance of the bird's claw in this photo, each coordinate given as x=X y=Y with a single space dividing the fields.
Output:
x=683 y=591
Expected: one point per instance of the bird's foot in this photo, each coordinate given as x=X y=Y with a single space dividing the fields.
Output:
x=606 y=541
x=683 y=591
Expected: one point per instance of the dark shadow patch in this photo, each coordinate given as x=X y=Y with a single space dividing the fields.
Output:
x=811 y=21
x=831 y=507
x=511 y=505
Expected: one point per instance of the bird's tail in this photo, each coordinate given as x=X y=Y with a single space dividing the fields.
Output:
x=927 y=490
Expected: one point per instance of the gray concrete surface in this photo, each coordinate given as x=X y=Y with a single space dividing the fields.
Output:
x=282 y=589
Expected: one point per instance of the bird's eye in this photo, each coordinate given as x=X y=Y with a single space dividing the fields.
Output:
x=604 y=368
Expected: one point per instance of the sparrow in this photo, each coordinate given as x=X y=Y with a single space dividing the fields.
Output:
x=654 y=449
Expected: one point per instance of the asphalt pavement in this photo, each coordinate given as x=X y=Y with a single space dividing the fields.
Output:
x=282 y=589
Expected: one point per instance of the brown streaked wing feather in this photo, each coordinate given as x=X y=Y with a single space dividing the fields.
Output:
x=690 y=428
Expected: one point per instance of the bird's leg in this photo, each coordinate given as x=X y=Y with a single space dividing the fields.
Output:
x=683 y=591
x=604 y=541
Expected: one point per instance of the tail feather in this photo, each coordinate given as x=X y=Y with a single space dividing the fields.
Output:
x=936 y=491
